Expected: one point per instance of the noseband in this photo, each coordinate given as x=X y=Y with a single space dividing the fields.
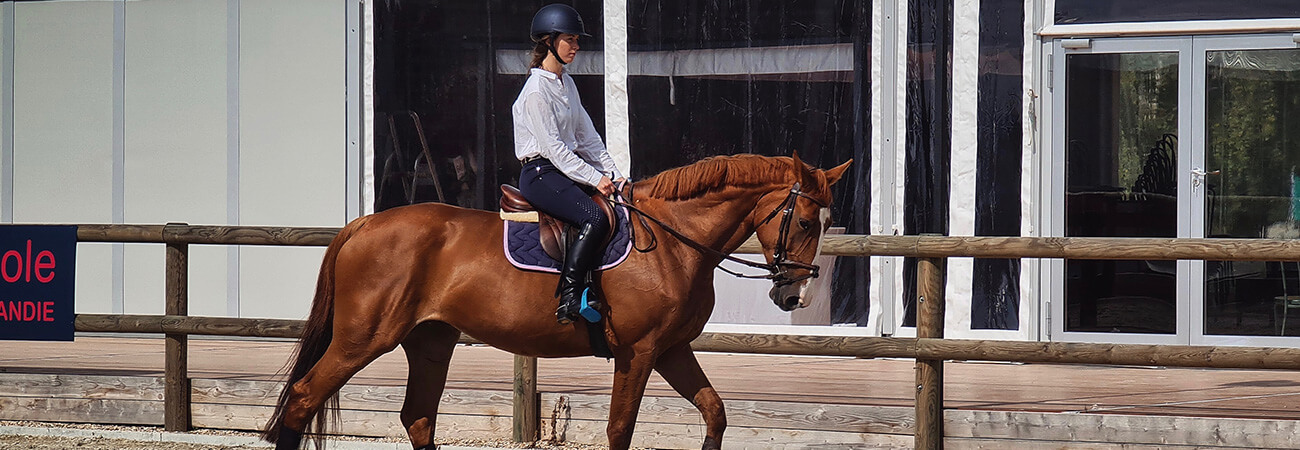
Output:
x=777 y=271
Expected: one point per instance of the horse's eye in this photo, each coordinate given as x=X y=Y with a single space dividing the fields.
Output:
x=805 y=224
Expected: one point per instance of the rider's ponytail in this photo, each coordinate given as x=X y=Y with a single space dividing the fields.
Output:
x=539 y=54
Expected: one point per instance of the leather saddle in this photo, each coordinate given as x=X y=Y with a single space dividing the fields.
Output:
x=555 y=234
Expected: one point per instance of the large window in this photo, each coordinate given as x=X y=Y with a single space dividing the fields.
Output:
x=1181 y=137
x=1121 y=152
x=1252 y=99
x=1102 y=11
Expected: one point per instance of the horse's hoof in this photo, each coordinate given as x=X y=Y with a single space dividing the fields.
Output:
x=711 y=444
x=288 y=439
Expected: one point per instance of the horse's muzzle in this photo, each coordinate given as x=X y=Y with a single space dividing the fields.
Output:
x=787 y=297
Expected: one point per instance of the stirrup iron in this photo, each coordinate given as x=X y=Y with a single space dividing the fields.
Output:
x=587 y=311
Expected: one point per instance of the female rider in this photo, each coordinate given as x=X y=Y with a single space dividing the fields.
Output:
x=563 y=157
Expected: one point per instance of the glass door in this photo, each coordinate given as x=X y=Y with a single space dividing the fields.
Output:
x=1248 y=109
x=1119 y=116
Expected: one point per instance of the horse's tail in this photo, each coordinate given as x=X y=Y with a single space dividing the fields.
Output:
x=316 y=337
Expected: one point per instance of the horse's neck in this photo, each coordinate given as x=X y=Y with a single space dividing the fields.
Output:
x=718 y=220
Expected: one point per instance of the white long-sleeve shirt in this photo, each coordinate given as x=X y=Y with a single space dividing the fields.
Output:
x=550 y=121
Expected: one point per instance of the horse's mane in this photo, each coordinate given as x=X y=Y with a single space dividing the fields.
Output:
x=715 y=173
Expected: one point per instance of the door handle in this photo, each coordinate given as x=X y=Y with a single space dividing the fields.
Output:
x=1198 y=175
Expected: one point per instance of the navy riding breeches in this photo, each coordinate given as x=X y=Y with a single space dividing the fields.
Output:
x=552 y=192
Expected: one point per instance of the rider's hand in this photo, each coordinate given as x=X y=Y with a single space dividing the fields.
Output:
x=605 y=186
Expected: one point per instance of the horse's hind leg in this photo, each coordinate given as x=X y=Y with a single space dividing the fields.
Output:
x=428 y=351
x=682 y=371
x=331 y=372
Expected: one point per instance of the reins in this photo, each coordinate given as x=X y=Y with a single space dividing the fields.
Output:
x=774 y=269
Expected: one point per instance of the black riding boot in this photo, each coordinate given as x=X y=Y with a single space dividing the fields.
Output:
x=575 y=275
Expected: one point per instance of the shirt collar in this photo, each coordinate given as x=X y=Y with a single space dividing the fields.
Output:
x=545 y=73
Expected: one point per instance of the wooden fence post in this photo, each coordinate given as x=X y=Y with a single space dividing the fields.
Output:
x=527 y=401
x=929 y=372
x=176 y=400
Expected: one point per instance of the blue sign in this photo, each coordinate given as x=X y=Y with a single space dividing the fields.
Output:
x=37 y=274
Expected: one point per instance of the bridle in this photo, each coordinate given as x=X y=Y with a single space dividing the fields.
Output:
x=778 y=270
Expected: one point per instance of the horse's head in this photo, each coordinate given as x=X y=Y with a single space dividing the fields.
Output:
x=790 y=222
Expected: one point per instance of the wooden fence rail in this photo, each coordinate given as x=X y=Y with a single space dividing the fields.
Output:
x=787 y=344
x=929 y=348
x=835 y=245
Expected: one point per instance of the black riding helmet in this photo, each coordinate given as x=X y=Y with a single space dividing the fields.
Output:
x=553 y=20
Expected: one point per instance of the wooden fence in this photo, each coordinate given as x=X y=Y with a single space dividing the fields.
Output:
x=928 y=348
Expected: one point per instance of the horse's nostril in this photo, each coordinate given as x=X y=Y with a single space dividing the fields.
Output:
x=790 y=303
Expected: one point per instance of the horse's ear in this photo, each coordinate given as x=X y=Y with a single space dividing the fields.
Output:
x=802 y=173
x=834 y=174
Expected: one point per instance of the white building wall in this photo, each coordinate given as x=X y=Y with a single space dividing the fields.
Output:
x=200 y=111
x=6 y=112
x=63 y=128
x=175 y=143
x=293 y=152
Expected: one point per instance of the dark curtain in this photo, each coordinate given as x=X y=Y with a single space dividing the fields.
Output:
x=443 y=131
x=929 y=129
x=823 y=116
x=995 y=302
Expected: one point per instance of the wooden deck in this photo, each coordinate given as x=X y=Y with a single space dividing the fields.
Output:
x=772 y=401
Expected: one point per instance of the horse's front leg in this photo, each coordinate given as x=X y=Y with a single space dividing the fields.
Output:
x=682 y=371
x=631 y=371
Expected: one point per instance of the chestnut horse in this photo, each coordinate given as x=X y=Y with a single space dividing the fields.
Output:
x=420 y=275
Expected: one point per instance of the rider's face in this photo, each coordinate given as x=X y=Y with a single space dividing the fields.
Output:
x=566 y=45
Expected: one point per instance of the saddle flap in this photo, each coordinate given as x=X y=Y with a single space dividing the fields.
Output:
x=551 y=233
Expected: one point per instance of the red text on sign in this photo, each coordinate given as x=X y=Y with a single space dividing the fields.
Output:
x=15 y=265
x=26 y=311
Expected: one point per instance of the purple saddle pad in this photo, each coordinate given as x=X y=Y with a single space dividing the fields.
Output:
x=523 y=246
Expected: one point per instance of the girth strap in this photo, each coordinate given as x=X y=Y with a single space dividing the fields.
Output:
x=596 y=335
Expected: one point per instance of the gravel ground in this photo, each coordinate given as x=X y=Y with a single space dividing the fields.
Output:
x=96 y=443
x=32 y=436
